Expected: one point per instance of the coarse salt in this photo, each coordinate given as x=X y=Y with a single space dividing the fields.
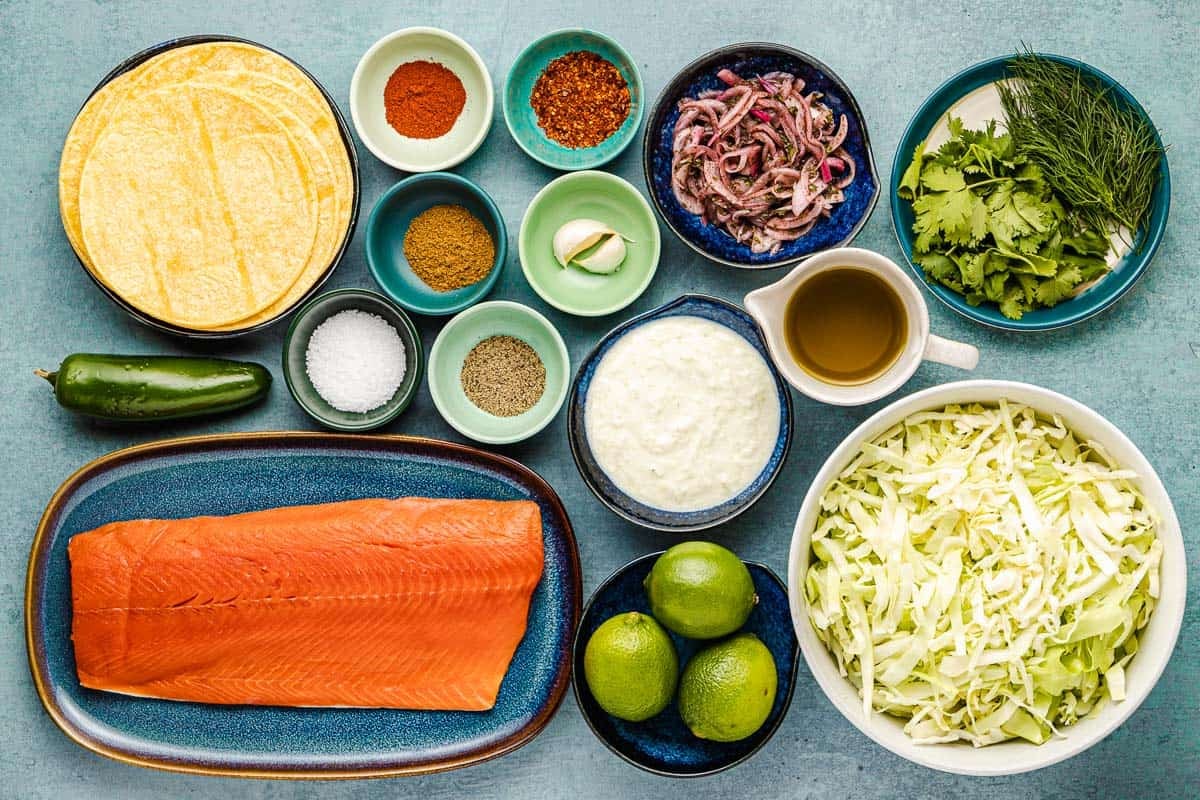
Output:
x=355 y=361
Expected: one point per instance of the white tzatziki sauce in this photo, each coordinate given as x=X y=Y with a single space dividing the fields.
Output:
x=682 y=413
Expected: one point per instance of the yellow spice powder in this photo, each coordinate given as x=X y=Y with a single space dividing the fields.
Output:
x=448 y=248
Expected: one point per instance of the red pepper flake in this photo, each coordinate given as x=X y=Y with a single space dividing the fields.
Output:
x=580 y=99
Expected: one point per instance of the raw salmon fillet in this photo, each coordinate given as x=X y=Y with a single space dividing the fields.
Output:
x=412 y=603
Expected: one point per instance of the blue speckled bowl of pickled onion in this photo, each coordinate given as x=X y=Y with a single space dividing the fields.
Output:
x=748 y=59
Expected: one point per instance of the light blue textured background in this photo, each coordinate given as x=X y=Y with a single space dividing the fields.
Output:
x=1139 y=364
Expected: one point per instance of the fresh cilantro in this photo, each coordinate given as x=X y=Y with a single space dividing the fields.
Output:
x=941 y=178
x=908 y=183
x=1013 y=305
x=990 y=227
x=979 y=221
x=972 y=267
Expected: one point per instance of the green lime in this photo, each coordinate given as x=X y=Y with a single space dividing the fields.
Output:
x=728 y=688
x=700 y=590
x=631 y=667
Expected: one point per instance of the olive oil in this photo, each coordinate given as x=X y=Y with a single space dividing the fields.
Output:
x=845 y=326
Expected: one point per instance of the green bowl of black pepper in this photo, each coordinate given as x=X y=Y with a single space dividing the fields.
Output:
x=499 y=372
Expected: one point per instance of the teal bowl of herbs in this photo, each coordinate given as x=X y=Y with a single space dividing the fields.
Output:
x=1030 y=192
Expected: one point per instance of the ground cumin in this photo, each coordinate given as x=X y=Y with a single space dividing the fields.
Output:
x=448 y=248
x=423 y=99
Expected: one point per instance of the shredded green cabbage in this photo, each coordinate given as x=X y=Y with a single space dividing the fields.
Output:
x=983 y=574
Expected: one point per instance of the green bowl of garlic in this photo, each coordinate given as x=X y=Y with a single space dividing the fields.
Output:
x=589 y=243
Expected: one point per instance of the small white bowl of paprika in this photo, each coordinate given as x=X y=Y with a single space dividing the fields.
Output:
x=421 y=99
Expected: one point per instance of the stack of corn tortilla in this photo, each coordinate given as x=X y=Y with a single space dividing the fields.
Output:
x=209 y=187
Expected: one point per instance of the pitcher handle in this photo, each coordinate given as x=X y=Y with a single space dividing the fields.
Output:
x=948 y=351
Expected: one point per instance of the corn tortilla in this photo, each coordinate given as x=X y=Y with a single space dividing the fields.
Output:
x=273 y=85
x=194 y=206
x=331 y=227
x=192 y=61
x=317 y=132
x=86 y=129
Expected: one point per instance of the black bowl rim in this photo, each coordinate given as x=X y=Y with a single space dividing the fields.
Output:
x=786 y=412
x=409 y=330
x=575 y=677
x=351 y=153
x=653 y=122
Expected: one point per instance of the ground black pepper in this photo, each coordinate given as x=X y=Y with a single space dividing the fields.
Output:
x=503 y=376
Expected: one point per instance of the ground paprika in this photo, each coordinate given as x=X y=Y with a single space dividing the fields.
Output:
x=423 y=99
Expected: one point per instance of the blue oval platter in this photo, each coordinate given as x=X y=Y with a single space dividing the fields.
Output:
x=688 y=305
x=663 y=744
x=242 y=472
x=756 y=58
x=1091 y=301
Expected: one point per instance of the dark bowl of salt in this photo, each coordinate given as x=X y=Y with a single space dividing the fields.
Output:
x=352 y=360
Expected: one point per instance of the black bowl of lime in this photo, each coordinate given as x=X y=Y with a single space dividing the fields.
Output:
x=685 y=660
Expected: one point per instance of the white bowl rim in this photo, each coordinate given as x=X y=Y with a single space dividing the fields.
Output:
x=489 y=100
x=961 y=758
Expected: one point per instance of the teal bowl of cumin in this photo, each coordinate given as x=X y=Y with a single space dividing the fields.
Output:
x=388 y=224
x=453 y=346
x=522 y=120
x=1104 y=293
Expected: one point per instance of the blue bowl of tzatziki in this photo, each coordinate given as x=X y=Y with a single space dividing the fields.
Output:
x=677 y=419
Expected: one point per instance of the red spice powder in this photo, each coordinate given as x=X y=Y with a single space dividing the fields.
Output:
x=423 y=99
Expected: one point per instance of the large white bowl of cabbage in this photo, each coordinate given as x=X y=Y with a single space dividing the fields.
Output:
x=987 y=577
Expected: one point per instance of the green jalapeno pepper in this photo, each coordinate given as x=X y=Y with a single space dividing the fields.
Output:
x=155 y=388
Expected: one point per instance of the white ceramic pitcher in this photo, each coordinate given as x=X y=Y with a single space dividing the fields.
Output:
x=768 y=306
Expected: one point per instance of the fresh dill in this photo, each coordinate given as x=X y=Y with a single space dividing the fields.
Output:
x=1099 y=155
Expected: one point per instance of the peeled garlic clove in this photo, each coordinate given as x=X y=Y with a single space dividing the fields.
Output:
x=576 y=236
x=606 y=258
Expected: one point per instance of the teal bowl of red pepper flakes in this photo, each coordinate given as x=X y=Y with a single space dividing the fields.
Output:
x=573 y=99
